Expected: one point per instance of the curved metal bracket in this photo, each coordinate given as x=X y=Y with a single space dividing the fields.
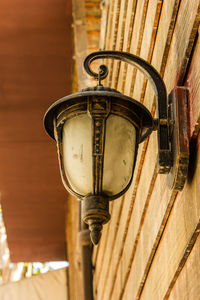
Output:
x=164 y=153
x=149 y=72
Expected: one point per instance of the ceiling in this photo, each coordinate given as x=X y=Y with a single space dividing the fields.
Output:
x=35 y=70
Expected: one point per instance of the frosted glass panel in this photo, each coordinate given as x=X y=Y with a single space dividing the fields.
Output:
x=120 y=141
x=77 y=153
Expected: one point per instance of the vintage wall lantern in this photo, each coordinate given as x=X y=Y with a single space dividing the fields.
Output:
x=98 y=131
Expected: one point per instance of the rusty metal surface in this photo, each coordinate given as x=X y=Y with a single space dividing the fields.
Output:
x=35 y=64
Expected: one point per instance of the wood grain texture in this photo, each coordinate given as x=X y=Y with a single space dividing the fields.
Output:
x=177 y=240
x=147 y=46
x=112 y=33
x=119 y=41
x=135 y=46
x=172 y=77
x=187 y=25
x=148 y=206
x=141 y=203
x=187 y=285
x=120 y=236
x=116 y=262
x=129 y=25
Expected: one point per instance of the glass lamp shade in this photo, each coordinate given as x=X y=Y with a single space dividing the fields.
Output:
x=120 y=147
x=77 y=153
x=97 y=132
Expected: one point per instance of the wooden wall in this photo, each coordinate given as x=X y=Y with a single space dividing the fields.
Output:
x=150 y=248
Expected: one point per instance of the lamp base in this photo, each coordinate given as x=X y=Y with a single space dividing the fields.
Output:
x=95 y=213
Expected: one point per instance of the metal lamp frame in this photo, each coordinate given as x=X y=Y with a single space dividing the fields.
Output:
x=99 y=102
x=79 y=103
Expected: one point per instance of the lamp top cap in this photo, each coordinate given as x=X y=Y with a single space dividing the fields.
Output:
x=96 y=91
x=100 y=88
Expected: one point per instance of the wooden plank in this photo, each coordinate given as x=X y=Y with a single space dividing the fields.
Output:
x=110 y=22
x=194 y=16
x=106 y=32
x=192 y=83
x=142 y=198
x=120 y=235
x=187 y=26
x=124 y=85
x=152 y=215
x=129 y=25
x=162 y=45
x=184 y=258
x=147 y=46
x=123 y=218
x=187 y=285
x=119 y=42
x=181 y=46
x=149 y=237
x=163 y=41
x=112 y=38
x=177 y=241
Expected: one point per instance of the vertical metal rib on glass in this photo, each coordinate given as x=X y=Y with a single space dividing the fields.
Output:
x=98 y=153
x=99 y=109
x=95 y=208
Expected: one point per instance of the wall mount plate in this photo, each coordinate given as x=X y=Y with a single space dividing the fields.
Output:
x=179 y=124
